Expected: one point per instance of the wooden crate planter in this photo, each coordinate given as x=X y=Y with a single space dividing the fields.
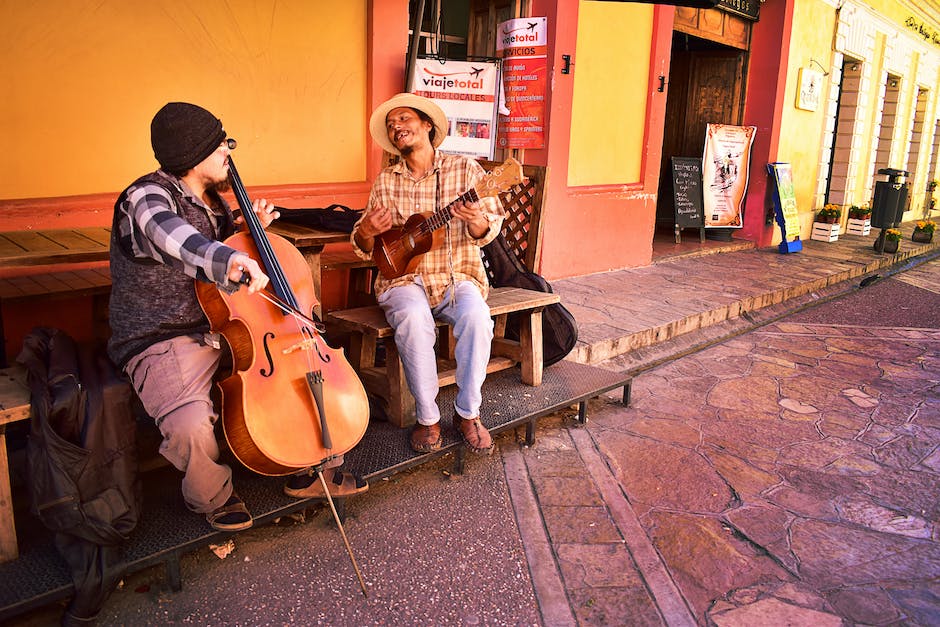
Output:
x=858 y=227
x=824 y=232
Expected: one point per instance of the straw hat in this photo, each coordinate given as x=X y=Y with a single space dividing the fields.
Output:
x=419 y=103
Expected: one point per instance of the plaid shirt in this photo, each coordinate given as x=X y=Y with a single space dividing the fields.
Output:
x=459 y=258
x=150 y=226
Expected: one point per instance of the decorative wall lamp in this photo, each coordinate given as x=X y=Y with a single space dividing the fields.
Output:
x=819 y=65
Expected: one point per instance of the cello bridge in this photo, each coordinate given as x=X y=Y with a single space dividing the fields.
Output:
x=303 y=345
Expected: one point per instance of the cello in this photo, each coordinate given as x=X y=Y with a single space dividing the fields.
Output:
x=292 y=401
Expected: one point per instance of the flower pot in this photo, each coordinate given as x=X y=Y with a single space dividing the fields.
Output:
x=825 y=232
x=922 y=236
x=891 y=245
x=858 y=226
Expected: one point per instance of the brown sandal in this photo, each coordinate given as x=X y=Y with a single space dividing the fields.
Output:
x=233 y=516
x=342 y=484
x=474 y=434
x=426 y=438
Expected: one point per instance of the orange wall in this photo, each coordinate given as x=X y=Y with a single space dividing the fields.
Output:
x=82 y=80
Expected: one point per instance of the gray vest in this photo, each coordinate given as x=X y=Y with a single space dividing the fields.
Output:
x=150 y=301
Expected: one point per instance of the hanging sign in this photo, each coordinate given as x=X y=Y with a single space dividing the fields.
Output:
x=522 y=44
x=725 y=173
x=466 y=91
x=785 y=211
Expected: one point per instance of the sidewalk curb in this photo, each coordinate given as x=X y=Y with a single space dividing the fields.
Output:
x=672 y=605
x=550 y=592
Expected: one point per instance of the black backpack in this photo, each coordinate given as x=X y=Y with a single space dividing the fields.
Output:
x=559 y=328
x=332 y=218
x=82 y=460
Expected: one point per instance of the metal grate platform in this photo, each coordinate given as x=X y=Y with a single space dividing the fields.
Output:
x=167 y=529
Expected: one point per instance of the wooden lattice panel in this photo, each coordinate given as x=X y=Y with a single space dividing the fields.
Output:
x=523 y=205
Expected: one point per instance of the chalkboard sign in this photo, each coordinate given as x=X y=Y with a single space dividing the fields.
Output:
x=687 y=193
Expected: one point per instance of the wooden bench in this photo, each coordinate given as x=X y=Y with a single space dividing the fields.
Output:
x=367 y=326
x=93 y=282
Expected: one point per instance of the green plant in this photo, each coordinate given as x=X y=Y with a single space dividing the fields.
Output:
x=927 y=226
x=892 y=235
x=859 y=213
x=932 y=185
x=830 y=213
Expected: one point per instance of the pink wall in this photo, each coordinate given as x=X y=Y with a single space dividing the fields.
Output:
x=763 y=108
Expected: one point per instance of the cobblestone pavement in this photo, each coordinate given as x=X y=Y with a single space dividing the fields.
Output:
x=788 y=475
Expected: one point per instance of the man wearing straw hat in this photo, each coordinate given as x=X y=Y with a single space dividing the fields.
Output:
x=449 y=282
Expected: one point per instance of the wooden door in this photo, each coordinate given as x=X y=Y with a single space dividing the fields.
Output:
x=705 y=87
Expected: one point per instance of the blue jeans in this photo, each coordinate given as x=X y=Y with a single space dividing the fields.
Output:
x=408 y=312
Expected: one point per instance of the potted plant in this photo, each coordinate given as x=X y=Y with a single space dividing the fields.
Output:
x=923 y=231
x=932 y=185
x=892 y=237
x=826 y=224
x=829 y=214
x=859 y=220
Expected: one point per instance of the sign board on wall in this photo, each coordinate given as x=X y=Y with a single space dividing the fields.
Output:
x=466 y=91
x=522 y=44
x=725 y=173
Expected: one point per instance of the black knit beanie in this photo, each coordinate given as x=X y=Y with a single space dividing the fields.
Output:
x=183 y=134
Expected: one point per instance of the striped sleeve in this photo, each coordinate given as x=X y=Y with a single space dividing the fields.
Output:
x=158 y=232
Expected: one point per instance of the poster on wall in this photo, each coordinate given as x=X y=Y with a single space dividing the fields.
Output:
x=522 y=45
x=466 y=91
x=785 y=210
x=725 y=173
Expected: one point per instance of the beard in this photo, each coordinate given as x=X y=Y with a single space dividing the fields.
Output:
x=220 y=187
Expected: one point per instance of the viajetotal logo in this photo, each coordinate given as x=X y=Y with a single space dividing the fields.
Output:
x=527 y=36
x=452 y=80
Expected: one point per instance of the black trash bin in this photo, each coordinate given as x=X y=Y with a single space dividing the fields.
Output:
x=887 y=206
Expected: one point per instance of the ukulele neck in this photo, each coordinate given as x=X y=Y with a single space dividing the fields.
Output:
x=443 y=215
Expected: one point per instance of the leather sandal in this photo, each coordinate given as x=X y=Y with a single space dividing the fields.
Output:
x=426 y=438
x=342 y=484
x=233 y=516
x=474 y=434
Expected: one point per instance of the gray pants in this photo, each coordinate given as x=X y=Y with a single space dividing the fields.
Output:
x=173 y=379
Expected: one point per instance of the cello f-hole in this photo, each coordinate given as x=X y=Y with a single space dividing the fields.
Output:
x=267 y=353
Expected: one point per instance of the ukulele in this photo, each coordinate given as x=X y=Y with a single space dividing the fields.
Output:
x=398 y=251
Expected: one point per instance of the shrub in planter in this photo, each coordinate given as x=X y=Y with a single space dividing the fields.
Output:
x=860 y=213
x=829 y=214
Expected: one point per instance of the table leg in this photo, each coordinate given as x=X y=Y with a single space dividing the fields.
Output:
x=8 y=547
x=312 y=256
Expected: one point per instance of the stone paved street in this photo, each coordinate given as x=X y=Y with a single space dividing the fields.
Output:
x=788 y=475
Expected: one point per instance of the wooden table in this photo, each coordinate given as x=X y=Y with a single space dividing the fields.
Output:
x=310 y=242
x=41 y=247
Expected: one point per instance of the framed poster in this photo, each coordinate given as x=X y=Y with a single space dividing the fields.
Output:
x=725 y=170
x=466 y=91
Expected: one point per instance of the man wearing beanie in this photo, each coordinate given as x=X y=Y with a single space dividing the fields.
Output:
x=449 y=282
x=167 y=230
